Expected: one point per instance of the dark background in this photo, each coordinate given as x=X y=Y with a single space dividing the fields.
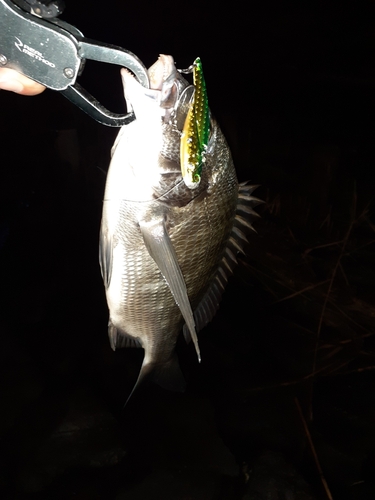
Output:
x=291 y=347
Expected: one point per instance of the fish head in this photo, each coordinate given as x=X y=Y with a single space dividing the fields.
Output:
x=168 y=97
x=148 y=149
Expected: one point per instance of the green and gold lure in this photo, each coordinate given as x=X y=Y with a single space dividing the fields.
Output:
x=196 y=130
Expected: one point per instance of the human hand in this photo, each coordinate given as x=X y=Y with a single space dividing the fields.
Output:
x=21 y=84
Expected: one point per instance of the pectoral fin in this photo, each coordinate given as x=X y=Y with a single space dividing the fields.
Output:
x=160 y=247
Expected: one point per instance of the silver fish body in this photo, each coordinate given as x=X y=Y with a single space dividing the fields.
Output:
x=166 y=250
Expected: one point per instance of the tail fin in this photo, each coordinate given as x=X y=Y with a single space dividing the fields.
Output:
x=168 y=375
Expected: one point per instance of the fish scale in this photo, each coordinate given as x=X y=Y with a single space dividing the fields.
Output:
x=167 y=250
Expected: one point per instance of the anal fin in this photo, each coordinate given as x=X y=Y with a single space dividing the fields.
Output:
x=119 y=339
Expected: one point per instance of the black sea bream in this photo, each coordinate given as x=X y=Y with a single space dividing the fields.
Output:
x=166 y=249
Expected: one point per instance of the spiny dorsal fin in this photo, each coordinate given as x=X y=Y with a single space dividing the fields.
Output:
x=237 y=241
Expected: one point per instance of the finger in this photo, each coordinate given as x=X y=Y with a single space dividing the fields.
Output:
x=15 y=82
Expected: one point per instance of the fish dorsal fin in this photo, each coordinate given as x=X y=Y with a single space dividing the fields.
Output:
x=160 y=247
x=208 y=306
x=237 y=242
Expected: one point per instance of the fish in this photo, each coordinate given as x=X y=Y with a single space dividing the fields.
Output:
x=167 y=245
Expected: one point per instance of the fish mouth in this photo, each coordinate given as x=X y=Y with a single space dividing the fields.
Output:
x=161 y=113
x=162 y=70
x=169 y=95
x=175 y=92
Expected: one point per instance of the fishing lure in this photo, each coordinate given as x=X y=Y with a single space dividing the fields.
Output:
x=196 y=130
